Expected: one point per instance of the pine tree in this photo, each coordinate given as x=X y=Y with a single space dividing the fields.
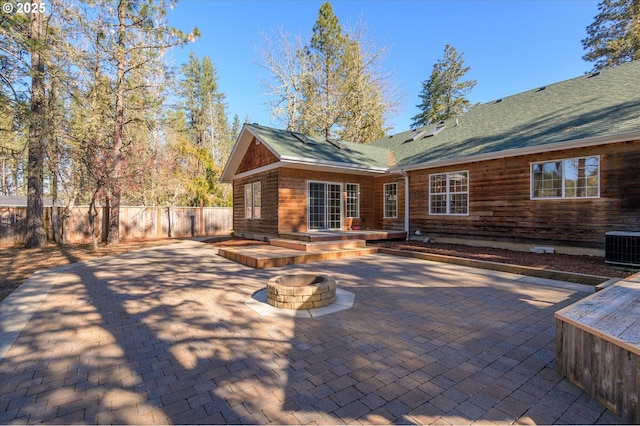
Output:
x=614 y=36
x=443 y=94
x=321 y=108
x=36 y=236
x=133 y=36
x=208 y=136
x=333 y=86
x=362 y=120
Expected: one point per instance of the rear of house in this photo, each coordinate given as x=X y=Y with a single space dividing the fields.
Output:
x=554 y=166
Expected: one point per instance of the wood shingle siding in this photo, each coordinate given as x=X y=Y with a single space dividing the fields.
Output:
x=257 y=156
x=501 y=208
x=396 y=223
x=293 y=198
x=267 y=224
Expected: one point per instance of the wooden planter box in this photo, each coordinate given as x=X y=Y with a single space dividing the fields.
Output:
x=598 y=346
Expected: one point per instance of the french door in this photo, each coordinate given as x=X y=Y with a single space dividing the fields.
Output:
x=324 y=205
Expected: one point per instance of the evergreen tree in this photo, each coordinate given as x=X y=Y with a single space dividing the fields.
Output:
x=443 y=94
x=332 y=87
x=208 y=136
x=614 y=36
x=322 y=90
x=363 y=107
x=36 y=236
x=133 y=36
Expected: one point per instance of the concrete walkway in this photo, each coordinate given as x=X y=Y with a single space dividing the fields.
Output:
x=163 y=335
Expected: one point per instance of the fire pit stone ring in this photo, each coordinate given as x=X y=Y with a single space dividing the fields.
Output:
x=301 y=291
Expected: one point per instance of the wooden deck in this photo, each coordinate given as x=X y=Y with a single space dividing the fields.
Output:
x=366 y=235
x=270 y=256
x=598 y=346
x=302 y=247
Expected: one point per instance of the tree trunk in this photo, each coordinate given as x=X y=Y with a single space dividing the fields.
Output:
x=93 y=213
x=118 y=132
x=36 y=236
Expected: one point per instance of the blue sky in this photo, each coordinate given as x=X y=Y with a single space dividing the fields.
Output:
x=511 y=46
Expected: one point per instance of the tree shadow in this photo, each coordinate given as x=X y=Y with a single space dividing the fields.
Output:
x=141 y=338
x=163 y=335
x=426 y=344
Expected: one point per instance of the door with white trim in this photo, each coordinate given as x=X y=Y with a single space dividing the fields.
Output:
x=324 y=203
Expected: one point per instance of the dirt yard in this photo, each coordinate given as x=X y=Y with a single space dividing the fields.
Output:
x=17 y=263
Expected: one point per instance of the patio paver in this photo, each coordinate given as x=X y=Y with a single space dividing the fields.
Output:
x=163 y=335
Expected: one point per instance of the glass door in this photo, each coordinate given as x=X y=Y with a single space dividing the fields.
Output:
x=324 y=205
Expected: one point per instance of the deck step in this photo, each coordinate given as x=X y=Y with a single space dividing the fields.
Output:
x=318 y=245
x=370 y=234
x=273 y=256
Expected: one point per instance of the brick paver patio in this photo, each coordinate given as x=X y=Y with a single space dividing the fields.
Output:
x=163 y=336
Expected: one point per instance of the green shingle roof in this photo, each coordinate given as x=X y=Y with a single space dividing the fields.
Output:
x=592 y=105
x=289 y=146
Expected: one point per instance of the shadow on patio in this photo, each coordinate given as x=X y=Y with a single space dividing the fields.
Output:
x=163 y=336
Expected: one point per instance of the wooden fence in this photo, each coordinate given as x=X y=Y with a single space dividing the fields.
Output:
x=135 y=222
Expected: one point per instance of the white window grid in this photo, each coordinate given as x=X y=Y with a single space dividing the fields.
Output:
x=253 y=200
x=449 y=193
x=324 y=205
x=353 y=200
x=390 y=200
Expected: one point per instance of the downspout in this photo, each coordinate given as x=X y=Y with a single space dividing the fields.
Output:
x=406 y=202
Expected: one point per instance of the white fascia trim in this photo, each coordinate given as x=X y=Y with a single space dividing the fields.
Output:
x=311 y=165
x=258 y=170
x=321 y=163
x=516 y=152
x=240 y=147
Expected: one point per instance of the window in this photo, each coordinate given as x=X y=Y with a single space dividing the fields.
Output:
x=568 y=178
x=253 y=200
x=353 y=200
x=390 y=200
x=449 y=193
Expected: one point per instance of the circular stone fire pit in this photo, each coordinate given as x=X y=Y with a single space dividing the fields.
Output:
x=301 y=291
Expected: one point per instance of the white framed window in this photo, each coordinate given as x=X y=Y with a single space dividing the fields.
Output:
x=566 y=178
x=353 y=200
x=449 y=193
x=390 y=200
x=253 y=200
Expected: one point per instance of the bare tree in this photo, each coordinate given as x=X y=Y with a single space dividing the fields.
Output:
x=334 y=85
x=283 y=56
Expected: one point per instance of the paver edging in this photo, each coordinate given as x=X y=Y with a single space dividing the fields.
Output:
x=551 y=274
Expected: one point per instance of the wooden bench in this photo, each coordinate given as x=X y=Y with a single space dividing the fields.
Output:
x=598 y=346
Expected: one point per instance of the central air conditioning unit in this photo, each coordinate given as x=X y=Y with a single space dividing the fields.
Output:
x=622 y=248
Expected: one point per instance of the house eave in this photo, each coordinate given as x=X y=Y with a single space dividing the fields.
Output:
x=314 y=165
x=332 y=165
x=516 y=152
x=238 y=151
